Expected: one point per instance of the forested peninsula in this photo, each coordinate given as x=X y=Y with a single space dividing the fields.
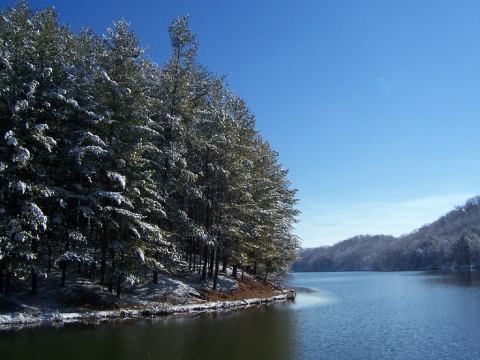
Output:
x=124 y=180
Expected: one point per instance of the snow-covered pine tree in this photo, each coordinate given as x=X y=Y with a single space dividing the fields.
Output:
x=183 y=88
x=27 y=51
x=111 y=164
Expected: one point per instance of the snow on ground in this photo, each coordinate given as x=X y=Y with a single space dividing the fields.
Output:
x=82 y=300
x=15 y=319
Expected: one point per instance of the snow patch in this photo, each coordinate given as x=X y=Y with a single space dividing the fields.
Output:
x=32 y=87
x=72 y=102
x=140 y=254
x=105 y=75
x=94 y=139
x=117 y=178
x=151 y=311
x=112 y=195
x=80 y=152
x=21 y=187
x=47 y=71
x=21 y=156
x=10 y=138
x=20 y=106
x=41 y=127
x=37 y=219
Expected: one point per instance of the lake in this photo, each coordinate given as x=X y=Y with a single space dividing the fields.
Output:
x=350 y=315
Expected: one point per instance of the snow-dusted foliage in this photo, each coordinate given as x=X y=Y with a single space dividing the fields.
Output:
x=117 y=178
x=80 y=152
x=36 y=218
x=21 y=156
x=21 y=187
x=123 y=168
x=10 y=138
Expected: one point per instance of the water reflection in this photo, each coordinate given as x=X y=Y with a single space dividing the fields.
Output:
x=307 y=297
x=262 y=333
x=460 y=278
x=404 y=315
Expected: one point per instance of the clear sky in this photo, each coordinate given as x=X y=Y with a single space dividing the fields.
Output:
x=374 y=106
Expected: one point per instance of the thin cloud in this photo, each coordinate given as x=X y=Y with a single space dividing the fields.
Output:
x=329 y=223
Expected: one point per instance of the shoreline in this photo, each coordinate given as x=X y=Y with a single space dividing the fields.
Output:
x=450 y=269
x=20 y=319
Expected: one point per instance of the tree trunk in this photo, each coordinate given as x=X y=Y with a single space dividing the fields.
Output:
x=205 y=258
x=34 y=280
x=1 y=277
x=91 y=273
x=234 y=271
x=8 y=283
x=212 y=260
x=49 y=266
x=103 y=262
x=112 y=271
x=120 y=274
x=155 y=272
x=224 y=265
x=64 y=274
x=217 y=266
x=103 y=266
x=119 y=287
x=33 y=271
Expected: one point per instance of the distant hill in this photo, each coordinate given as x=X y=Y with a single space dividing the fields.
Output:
x=450 y=242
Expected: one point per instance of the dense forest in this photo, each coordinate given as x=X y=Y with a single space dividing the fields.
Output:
x=117 y=169
x=453 y=241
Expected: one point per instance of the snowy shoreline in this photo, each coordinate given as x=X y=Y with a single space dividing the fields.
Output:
x=9 y=321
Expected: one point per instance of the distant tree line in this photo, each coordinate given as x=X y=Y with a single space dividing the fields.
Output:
x=451 y=242
x=116 y=168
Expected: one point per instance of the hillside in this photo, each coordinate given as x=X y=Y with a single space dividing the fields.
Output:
x=452 y=241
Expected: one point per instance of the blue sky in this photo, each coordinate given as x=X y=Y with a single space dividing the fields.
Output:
x=374 y=106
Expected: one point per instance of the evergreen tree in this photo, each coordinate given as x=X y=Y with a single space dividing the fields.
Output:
x=114 y=169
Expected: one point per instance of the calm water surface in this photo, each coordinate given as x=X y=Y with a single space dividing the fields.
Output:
x=408 y=315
